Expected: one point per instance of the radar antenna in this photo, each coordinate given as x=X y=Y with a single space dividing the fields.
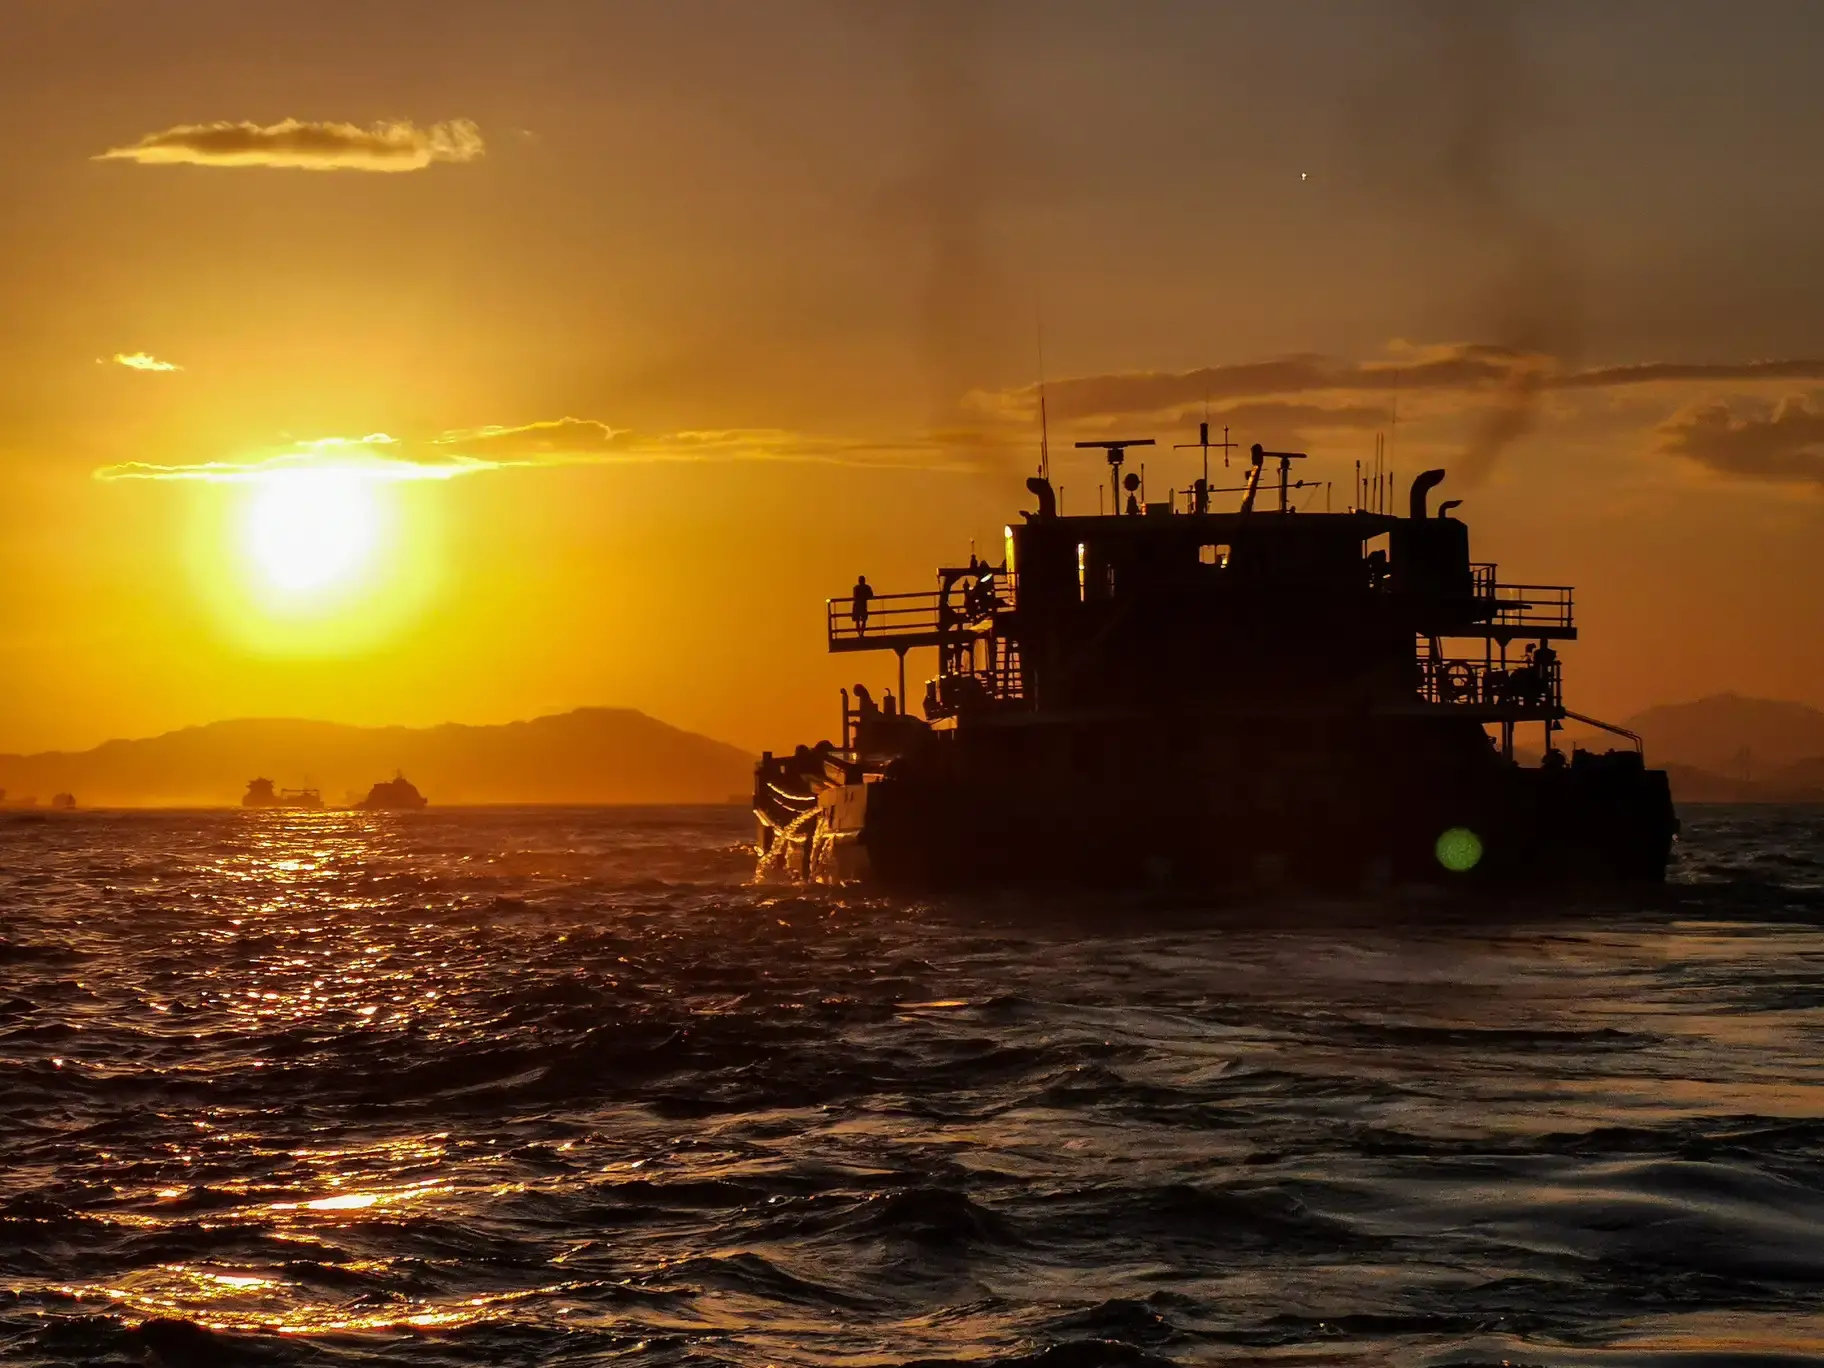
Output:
x=1259 y=459
x=1117 y=453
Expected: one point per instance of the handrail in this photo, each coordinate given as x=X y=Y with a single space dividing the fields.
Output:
x=928 y=612
x=1467 y=681
x=1530 y=605
x=1640 y=747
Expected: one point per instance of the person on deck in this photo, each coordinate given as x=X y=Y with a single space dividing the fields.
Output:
x=1524 y=681
x=859 y=598
x=1545 y=663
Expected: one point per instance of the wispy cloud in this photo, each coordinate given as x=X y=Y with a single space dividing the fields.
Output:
x=1784 y=443
x=569 y=441
x=551 y=442
x=1442 y=391
x=1679 y=372
x=368 y=457
x=1128 y=393
x=1467 y=370
x=306 y=146
x=140 y=361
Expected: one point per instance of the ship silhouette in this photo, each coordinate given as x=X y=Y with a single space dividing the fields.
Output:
x=392 y=795
x=1172 y=695
x=261 y=794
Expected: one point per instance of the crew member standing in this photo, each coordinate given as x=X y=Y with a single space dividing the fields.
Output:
x=1545 y=661
x=858 y=604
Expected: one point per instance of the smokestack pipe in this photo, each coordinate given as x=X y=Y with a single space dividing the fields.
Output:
x=1428 y=480
x=1048 y=501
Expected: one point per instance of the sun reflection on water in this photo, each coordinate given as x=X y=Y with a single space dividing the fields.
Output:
x=332 y=1075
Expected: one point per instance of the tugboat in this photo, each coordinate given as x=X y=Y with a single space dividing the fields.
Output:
x=261 y=794
x=1166 y=694
x=392 y=795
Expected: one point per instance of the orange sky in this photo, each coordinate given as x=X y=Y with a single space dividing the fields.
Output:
x=786 y=267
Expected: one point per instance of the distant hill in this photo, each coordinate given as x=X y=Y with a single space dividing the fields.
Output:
x=1727 y=734
x=592 y=755
x=1801 y=783
x=1724 y=749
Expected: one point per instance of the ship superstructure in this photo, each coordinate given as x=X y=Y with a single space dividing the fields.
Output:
x=1167 y=693
x=261 y=794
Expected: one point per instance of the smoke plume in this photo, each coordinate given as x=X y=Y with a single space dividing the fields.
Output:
x=1441 y=138
x=945 y=206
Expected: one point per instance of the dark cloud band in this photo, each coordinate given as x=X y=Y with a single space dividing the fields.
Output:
x=1461 y=369
x=1786 y=443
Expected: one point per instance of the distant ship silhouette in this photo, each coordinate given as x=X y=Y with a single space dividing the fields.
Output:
x=261 y=794
x=395 y=794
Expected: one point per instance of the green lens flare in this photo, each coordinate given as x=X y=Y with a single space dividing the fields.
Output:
x=1459 y=850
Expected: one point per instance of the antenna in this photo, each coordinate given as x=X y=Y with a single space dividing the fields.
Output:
x=1393 y=417
x=1044 y=426
x=1044 y=436
x=1259 y=458
x=1202 y=500
x=1117 y=453
x=1204 y=444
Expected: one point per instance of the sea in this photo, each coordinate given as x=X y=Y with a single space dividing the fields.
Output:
x=535 y=1086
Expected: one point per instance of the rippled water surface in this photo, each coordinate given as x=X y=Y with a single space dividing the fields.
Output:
x=516 y=1087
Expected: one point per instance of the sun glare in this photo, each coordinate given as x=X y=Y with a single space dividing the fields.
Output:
x=309 y=531
x=316 y=560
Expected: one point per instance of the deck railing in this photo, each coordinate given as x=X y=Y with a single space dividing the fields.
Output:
x=1466 y=681
x=930 y=614
x=886 y=615
x=1523 y=606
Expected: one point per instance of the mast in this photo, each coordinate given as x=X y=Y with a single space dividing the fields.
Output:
x=1203 y=443
x=1044 y=436
x=1044 y=426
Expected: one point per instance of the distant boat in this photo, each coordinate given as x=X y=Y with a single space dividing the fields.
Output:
x=261 y=794
x=64 y=802
x=392 y=795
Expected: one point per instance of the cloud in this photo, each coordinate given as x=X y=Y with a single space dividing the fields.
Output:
x=1271 y=422
x=1464 y=369
x=372 y=456
x=1784 y=444
x=1679 y=372
x=1450 y=399
x=554 y=439
x=301 y=145
x=572 y=441
x=140 y=361
x=1451 y=368
x=554 y=442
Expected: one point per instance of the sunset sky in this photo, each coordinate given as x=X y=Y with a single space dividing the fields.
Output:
x=409 y=362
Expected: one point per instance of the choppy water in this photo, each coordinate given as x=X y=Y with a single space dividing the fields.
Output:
x=560 y=1087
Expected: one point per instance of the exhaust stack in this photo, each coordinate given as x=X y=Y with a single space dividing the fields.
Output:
x=1427 y=481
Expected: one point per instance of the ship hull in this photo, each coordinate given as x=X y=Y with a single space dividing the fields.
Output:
x=1216 y=812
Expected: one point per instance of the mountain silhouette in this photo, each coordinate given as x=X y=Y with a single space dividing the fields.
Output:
x=1728 y=734
x=591 y=755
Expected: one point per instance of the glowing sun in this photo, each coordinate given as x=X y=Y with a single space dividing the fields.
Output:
x=310 y=531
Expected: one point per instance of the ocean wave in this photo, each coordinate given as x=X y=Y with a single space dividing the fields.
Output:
x=524 y=1088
